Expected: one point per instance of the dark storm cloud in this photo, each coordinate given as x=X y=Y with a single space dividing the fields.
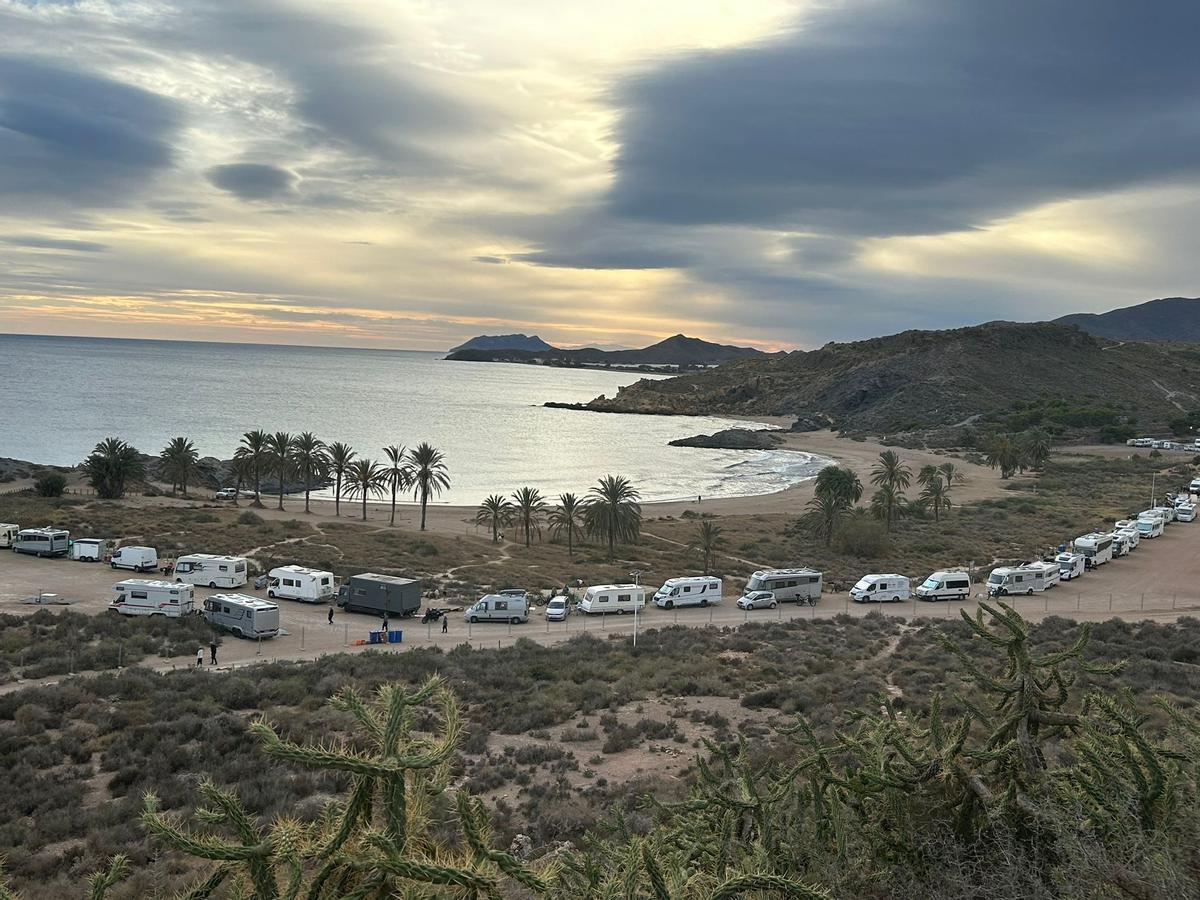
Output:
x=68 y=136
x=913 y=116
x=35 y=242
x=252 y=181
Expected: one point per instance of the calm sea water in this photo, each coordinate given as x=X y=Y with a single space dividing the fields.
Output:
x=62 y=395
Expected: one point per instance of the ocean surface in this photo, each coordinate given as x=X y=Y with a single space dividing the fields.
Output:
x=63 y=395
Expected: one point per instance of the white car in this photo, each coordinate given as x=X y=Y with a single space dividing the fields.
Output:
x=757 y=600
x=1194 y=487
x=227 y=494
x=557 y=609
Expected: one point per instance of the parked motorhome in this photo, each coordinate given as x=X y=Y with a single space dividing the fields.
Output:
x=208 y=570
x=945 y=586
x=42 y=541
x=1051 y=573
x=144 y=597
x=1120 y=544
x=1193 y=487
x=803 y=584
x=1131 y=535
x=380 y=595
x=88 y=549
x=242 y=615
x=880 y=589
x=8 y=534
x=1096 y=548
x=1185 y=512
x=498 y=608
x=1149 y=526
x=602 y=599
x=1070 y=565
x=1167 y=512
x=299 y=583
x=692 y=591
x=1153 y=513
x=137 y=559
x=1007 y=580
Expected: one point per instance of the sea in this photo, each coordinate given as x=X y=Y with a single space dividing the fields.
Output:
x=62 y=395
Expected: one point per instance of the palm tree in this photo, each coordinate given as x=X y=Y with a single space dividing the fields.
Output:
x=365 y=478
x=254 y=449
x=1034 y=448
x=568 y=517
x=612 y=512
x=310 y=461
x=429 y=474
x=340 y=458
x=839 y=483
x=398 y=473
x=936 y=490
x=1001 y=453
x=179 y=459
x=825 y=513
x=110 y=466
x=707 y=540
x=241 y=472
x=528 y=508
x=892 y=476
x=950 y=471
x=279 y=457
x=496 y=512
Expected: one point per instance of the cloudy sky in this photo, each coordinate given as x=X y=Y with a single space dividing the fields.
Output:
x=390 y=173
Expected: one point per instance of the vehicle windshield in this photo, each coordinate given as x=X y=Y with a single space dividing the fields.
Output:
x=862 y=584
x=557 y=603
x=931 y=583
x=996 y=578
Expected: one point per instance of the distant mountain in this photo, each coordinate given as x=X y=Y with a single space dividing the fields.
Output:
x=1169 y=319
x=679 y=350
x=504 y=342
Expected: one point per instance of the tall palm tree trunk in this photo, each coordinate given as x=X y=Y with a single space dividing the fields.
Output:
x=393 y=521
x=424 y=503
x=337 y=495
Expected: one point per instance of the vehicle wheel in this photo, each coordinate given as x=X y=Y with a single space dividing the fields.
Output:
x=474 y=620
x=704 y=602
x=271 y=594
x=773 y=604
x=114 y=565
x=895 y=599
x=515 y=620
x=237 y=632
x=1029 y=593
x=962 y=598
x=212 y=585
x=620 y=612
x=179 y=581
x=670 y=604
x=1003 y=592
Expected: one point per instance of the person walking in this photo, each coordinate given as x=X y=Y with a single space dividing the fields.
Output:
x=445 y=624
x=331 y=615
x=212 y=652
x=200 y=657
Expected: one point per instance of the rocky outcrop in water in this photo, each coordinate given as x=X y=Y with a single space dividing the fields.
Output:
x=732 y=439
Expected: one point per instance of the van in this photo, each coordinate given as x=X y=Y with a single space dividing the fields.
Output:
x=1007 y=580
x=880 y=589
x=1120 y=544
x=138 y=559
x=1149 y=526
x=498 y=608
x=602 y=599
x=945 y=586
x=1185 y=512
x=206 y=569
x=42 y=541
x=299 y=583
x=8 y=534
x=1070 y=565
x=1096 y=549
x=693 y=591
x=801 y=585
x=88 y=549
x=242 y=615
x=141 y=597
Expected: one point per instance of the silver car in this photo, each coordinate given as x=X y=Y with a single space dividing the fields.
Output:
x=557 y=609
x=757 y=600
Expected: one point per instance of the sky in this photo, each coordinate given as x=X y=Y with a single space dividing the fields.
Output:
x=382 y=173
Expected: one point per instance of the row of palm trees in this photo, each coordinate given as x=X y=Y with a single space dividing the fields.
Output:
x=838 y=490
x=609 y=512
x=1012 y=453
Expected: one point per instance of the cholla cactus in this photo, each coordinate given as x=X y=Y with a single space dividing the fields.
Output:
x=379 y=842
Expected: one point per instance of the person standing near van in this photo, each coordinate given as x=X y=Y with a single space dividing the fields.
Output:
x=200 y=658
x=445 y=624
x=212 y=650
x=330 y=615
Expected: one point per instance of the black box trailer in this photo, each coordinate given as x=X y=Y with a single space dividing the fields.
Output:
x=378 y=594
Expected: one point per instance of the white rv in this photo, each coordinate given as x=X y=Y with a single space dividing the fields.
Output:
x=1167 y=512
x=1120 y=544
x=88 y=549
x=880 y=589
x=8 y=534
x=142 y=597
x=694 y=591
x=1070 y=565
x=299 y=583
x=1131 y=534
x=498 y=608
x=42 y=541
x=210 y=570
x=1051 y=573
x=1149 y=526
x=241 y=615
x=802 y=584
x=945 y=586
x=1096 y=548
x=139 y=559
x=602 y=599
x=1007 y=580
x=1185 y=512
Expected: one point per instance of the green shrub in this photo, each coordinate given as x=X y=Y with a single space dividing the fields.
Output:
x=249 y=517
x=862 y=537
x=50 y=485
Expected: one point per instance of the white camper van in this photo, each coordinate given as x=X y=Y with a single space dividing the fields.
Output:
x=88 y=549
x=299 y=583
x=693 y=591
x=1096 y=548
x=210 y=570
x=142 y=597
x=1120 y=544
x=42 y=541
x=1167 y=513
x=1131 y=534
x=1070 y=565
x=945 y=586
x=602 y=599
x=880 y=589
x=802 y=585
x=8 y=534
x=1007 y=580
x=242 y=616
x=498 y=608
x=138 y=559
x=1185 y=512
x=1051 y=573
x=1149 y=526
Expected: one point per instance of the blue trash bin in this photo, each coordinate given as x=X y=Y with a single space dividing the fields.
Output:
x=375 y=637
x=395 y=637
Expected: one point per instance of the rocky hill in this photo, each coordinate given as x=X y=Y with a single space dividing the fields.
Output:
x=929 y=384
x=529 y=342
x=680 y=350
x=1168 y=319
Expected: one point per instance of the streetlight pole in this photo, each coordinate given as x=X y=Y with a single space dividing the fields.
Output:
x=636 y=576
